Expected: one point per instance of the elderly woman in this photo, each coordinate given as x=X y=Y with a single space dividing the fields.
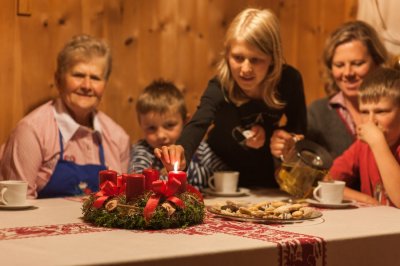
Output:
x=351 y=52
x=60 y=147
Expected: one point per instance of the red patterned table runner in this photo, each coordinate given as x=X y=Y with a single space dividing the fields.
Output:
x=294 y=248
x=49 y=230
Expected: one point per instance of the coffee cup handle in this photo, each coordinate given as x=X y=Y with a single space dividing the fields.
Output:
x=3 y=191
x=210 y=182
x=315 y=193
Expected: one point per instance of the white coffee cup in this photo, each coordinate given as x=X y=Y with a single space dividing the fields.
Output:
x=224 y=181
x=13 y=192
x=329 y=192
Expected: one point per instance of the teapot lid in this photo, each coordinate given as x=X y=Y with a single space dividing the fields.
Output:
x=313 y=154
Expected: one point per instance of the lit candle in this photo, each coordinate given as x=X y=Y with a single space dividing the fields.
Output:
x=134 y=186
x=150 y=175
x=107 y=175
x=180 y=176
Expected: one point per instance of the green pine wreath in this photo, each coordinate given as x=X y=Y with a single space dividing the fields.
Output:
x=116 y=213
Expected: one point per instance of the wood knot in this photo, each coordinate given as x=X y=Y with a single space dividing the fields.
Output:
x=61 y=21
x=129 y=41
x=224 y=23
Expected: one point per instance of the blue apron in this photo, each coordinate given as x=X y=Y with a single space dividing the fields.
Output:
x=67 y=176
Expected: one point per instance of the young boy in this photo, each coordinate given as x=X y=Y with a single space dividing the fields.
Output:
x=162 y=113
x=374 y=158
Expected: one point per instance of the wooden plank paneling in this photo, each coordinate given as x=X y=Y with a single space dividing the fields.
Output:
x=179 y=40
x=8 y=73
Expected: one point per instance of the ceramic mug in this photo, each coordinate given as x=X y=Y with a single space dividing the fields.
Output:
x=329 y=192
x=13 y=192
x=224 y=181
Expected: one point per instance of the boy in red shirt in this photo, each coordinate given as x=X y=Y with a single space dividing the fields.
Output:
x=375 y=157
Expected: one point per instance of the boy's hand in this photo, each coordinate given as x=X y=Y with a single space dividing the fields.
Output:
x=169 y=155
x=370 y=133
x=257 y=139
x=370 y=200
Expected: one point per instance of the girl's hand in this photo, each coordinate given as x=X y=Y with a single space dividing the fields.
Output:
x=370 y=133
x=282 y=142
x=258 y=139
x=169 y=155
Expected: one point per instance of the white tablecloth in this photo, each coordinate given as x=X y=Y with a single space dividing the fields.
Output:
x=54 y=234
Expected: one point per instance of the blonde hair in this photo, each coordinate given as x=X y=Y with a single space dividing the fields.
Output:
x=161 y=97
x=383 y=82
x=259 y=28
x=82 y=48
x=352 y=31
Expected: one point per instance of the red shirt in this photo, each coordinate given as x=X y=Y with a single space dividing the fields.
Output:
x=358 y=162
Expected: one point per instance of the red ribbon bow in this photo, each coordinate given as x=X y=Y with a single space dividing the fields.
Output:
x=107 y=189
x=195 y=191
x=165 y=190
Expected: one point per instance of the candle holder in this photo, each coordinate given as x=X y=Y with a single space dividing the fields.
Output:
x=167 y=205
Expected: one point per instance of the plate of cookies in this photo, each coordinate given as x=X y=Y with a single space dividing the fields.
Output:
x=265 y=212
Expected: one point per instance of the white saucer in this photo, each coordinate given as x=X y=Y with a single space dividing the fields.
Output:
x=344 y=204
x=16 y=207
x=241 y=192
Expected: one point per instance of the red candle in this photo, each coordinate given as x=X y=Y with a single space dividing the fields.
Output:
x=150 y=175
x=121 y=180
x=134 y=186
x=108 y=175
x=181 y=177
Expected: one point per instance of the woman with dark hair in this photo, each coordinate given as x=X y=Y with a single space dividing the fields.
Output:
x=352 y=52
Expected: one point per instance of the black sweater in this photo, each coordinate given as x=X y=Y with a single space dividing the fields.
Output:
x=256 y=166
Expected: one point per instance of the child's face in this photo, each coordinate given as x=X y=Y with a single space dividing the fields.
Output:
x=385 y=114
x=161 y=129
x=249 y=67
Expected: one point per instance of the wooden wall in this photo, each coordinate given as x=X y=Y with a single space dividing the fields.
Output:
x=179 y=40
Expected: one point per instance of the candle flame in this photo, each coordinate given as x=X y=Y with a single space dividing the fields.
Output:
x=176 y=166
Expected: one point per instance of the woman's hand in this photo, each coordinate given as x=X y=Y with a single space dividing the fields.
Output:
x=258 y=138
x=169 y=155
x=282 y=142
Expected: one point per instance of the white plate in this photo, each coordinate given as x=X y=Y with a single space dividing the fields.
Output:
x=242 y=191
x=344 y=204
x=14 y=207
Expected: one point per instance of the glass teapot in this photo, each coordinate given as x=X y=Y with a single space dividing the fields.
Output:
x=303 y=164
